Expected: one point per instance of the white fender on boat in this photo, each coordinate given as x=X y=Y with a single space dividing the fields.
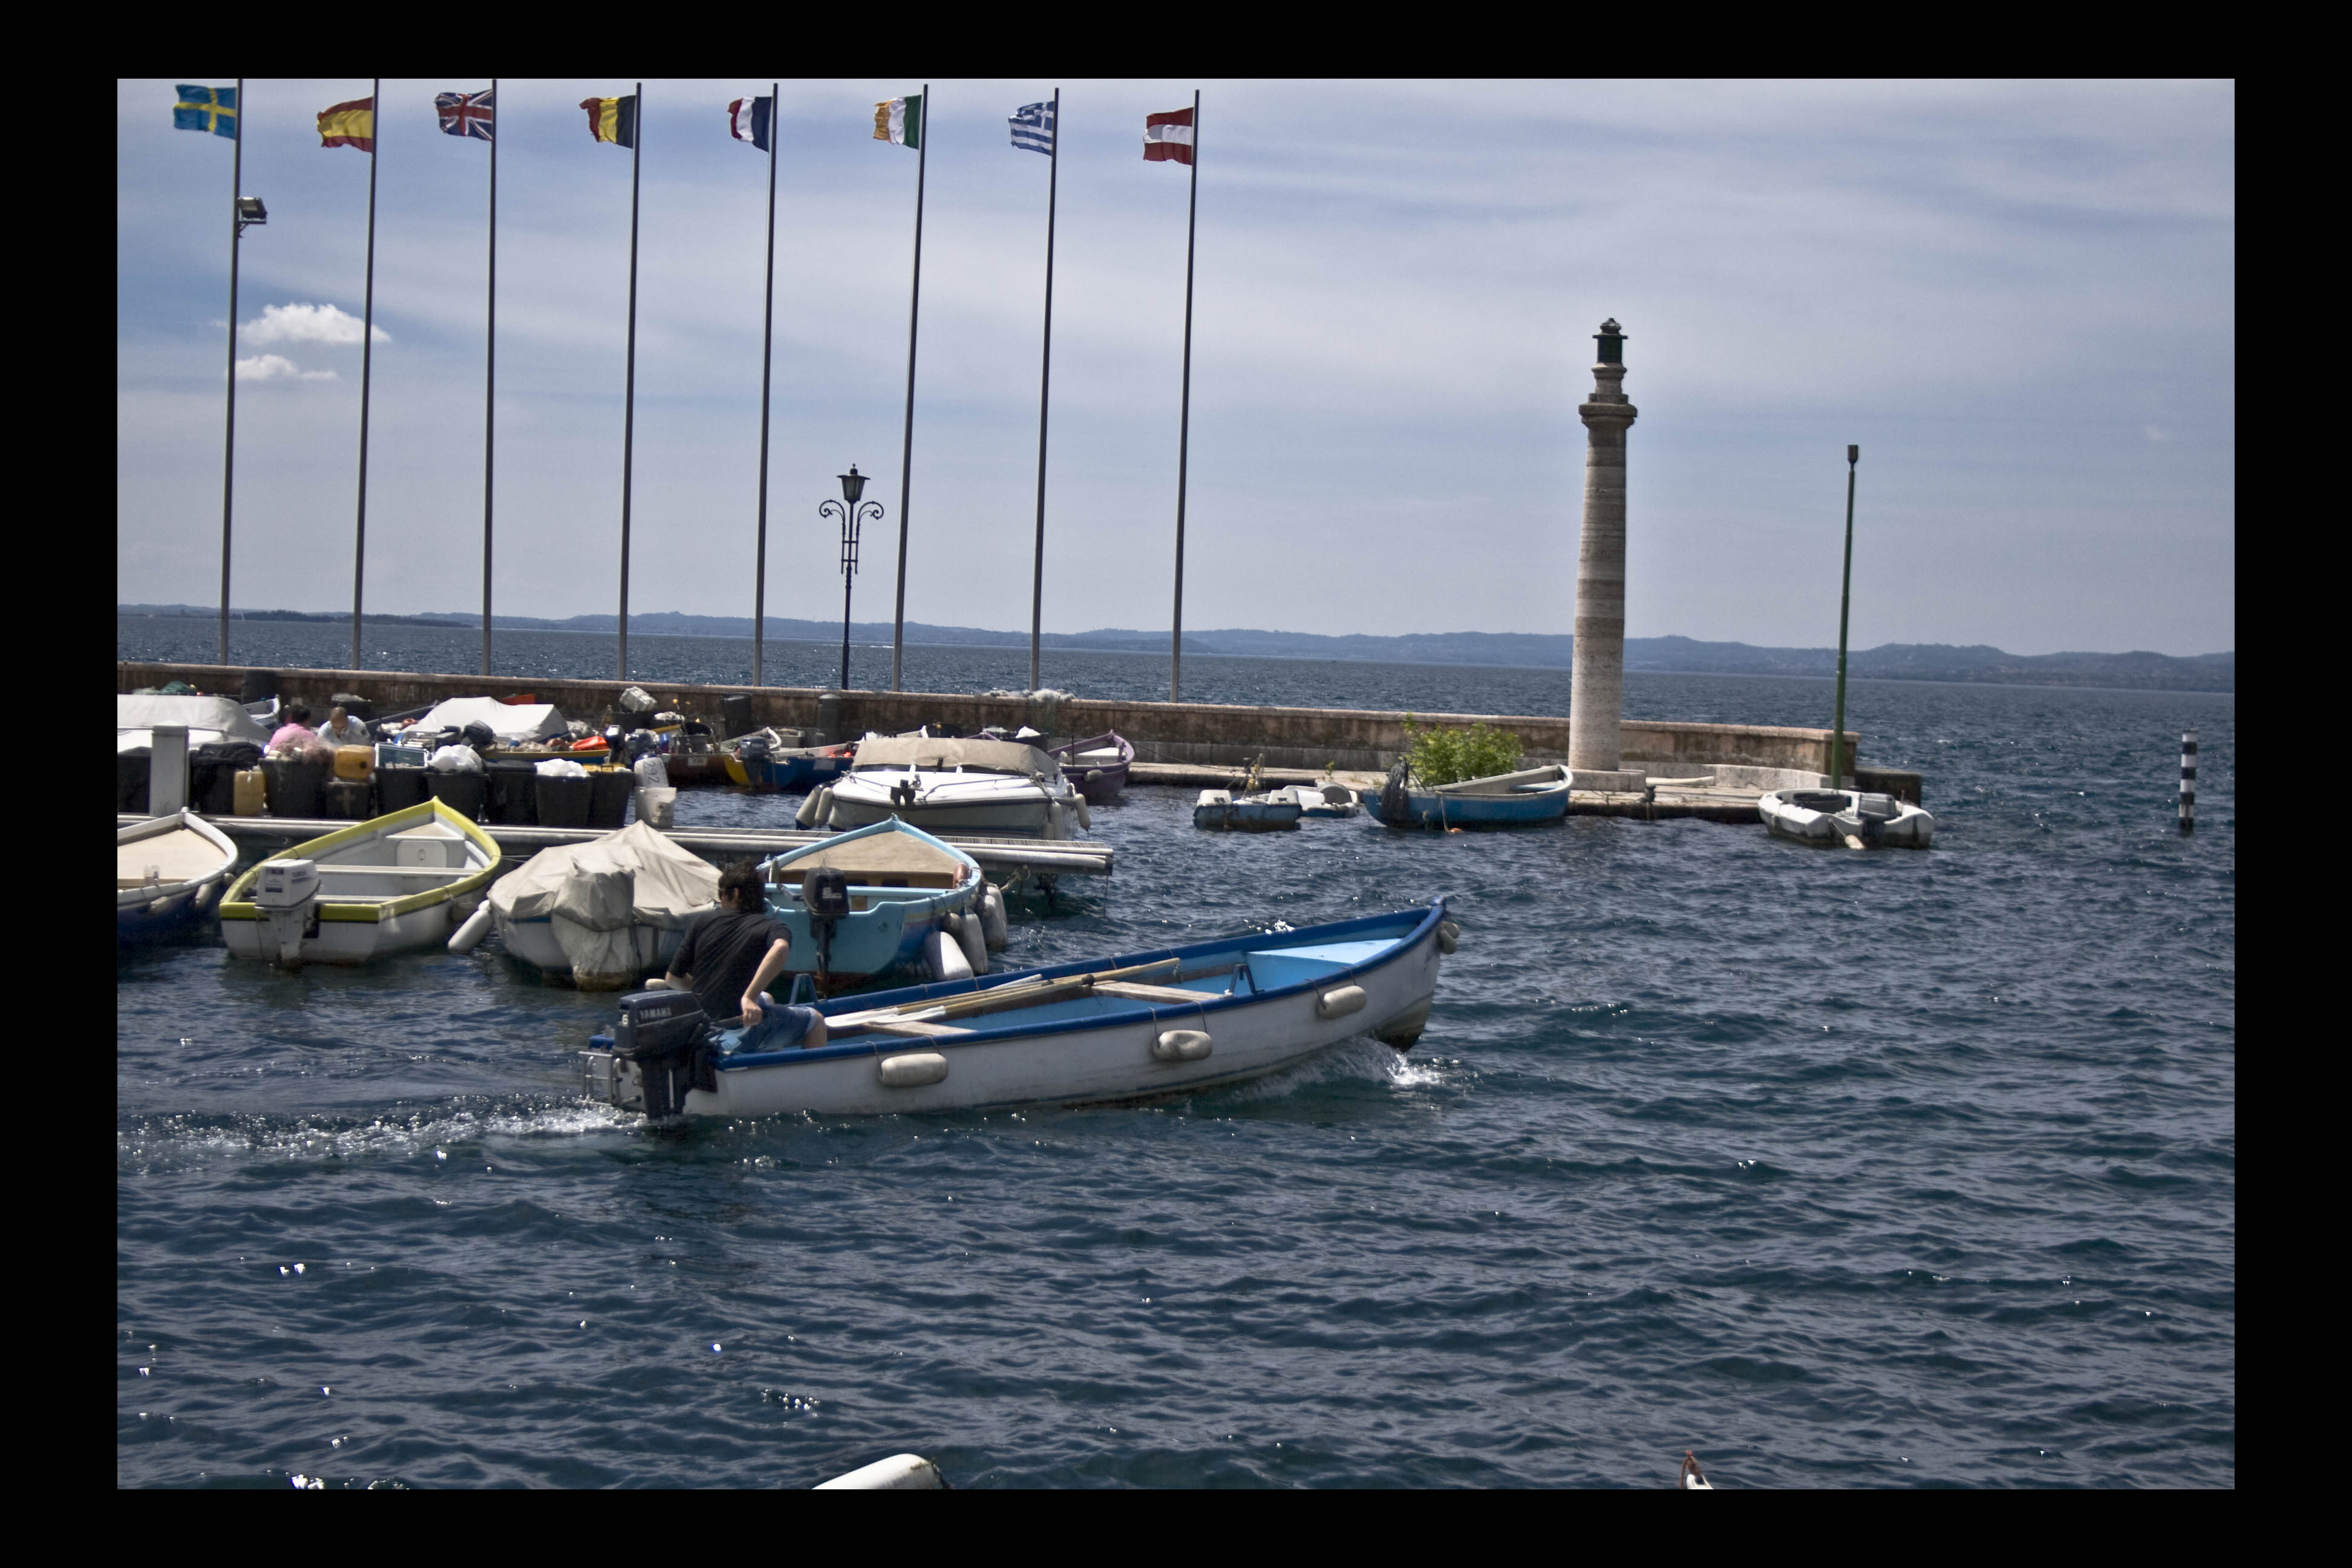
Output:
x=975 y=945
x=477 y=927
x=206 y=894
x=899 y=1472
x=1449 y=937
x=943 y=955
x=1340 y=1002
x=992 y=924
x=1086 y=818
x=1180 y=1046
x=1058 y=820
x=813 y=809
x=914 y=1069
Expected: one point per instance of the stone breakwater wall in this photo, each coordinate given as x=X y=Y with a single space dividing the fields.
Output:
x=1203 y=733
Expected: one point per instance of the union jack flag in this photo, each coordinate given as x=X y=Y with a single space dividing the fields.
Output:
x=474 y=114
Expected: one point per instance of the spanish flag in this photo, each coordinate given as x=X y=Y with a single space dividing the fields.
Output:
x=613 y=119
x=349 y=124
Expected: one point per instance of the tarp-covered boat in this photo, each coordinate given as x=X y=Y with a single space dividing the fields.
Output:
x=912 y=900
x=392 y=885
x=1856 y=819
x=1505 y=800
x=1269 y=811
x=607 y=912
x=514 y=723
x=207 y=719
x=1139 y=1026
x=166 y=871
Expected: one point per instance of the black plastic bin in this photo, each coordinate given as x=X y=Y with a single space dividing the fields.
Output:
x=735 y=714
x=296 y=788
x=514 y=794
x=349 y=798
x=608 y=800
x=212 y=775
x=563 y=802
x=463 y=792
x=130 y=783
x=259 y=686
x=397 y=788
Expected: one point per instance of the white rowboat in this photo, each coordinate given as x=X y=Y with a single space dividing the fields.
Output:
x=393 y=885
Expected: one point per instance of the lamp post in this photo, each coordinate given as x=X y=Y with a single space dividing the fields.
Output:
x=852 y=513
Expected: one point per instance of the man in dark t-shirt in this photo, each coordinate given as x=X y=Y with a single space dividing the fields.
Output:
x=729 y=958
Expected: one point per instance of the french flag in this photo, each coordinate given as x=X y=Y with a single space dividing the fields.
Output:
x=752 y=120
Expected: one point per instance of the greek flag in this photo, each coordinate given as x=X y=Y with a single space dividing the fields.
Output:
x=1033 y=127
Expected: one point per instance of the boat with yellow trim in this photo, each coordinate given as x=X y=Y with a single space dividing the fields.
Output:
x=396 y=884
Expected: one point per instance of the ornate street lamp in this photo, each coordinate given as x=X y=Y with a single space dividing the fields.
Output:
x=852 y=513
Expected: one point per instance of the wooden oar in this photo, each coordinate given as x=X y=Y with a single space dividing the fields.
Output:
x=1020 y=994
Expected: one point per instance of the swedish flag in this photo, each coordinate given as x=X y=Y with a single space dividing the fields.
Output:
x=212 y=108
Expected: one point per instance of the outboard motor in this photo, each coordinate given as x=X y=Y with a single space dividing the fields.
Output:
x=286 y=893
x=1394 y=803
x=659 y=1050
x=825 y=892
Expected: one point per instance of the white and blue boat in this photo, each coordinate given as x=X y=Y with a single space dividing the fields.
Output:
x=1269 y=811
x=167 y=872
x=1136 y=1026
x=1506 y=800
x=913 y=900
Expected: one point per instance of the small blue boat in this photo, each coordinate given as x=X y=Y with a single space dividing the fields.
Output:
x=912 y=898
x=1507 y=800
x=167 y=871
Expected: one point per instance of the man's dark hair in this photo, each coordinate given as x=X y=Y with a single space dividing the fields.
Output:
x=300 y=713
x=740 y=878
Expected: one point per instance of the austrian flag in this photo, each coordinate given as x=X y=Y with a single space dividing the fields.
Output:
x=1168 y=137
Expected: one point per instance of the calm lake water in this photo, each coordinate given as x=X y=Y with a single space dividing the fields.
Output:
x=1898 y=1169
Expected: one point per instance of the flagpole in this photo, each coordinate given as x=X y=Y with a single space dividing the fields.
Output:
x=767 y=351
x=367 y=371
x=491 y=378
x=1184 y=419
x=629 y=403
x=228 y=451
x=907 y=444
x=1045 y=395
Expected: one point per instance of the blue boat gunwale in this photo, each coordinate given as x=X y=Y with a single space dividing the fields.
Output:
x=866 y=1045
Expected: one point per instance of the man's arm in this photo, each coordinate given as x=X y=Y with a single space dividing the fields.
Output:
x=770 y=967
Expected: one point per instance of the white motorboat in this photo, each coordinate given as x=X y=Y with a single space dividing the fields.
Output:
x=943 y=785
x=1269 y=811
x=1135 y=1027
x=398 y=883
x=1854 y=818
x=167 y=870
x=608 y=913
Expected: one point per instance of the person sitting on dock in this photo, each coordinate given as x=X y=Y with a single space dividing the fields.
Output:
x=343 y=729
x=731 y=955
x=295 y=738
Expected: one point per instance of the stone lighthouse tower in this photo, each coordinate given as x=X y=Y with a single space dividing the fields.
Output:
x=1597 y=687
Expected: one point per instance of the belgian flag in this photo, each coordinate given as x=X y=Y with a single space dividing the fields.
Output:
x=613 y=120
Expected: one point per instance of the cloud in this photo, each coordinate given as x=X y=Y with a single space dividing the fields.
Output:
x=2157 y=436
x=277 y=367
x=306 y=324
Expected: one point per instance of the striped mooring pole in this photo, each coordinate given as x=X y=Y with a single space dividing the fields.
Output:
x=2189 y=781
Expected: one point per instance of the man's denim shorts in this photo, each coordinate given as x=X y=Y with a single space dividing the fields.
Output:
x=779 y=1028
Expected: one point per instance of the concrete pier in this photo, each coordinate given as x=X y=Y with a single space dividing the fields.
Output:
x=1197 y=735
x=1597 y=687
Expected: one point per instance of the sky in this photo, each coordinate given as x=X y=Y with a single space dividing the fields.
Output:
x=2019 y=299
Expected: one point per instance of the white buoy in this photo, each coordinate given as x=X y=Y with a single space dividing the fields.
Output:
x=477 y=927
x=1086 y=818
x=943 y=955
x=813 y=809
x=993 y=927
x=899 y=1472
x=975 y=945
x=913 y=1070
x=1180 y=1046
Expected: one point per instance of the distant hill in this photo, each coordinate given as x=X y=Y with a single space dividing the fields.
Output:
x=1673 y=655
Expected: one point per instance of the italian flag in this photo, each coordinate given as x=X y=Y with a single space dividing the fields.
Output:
x=1168 y=137
x=900 y=121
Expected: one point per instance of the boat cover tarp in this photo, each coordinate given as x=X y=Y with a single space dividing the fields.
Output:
x=134 y=716
x=596 y=891
x=512 y=723
x=933 y=751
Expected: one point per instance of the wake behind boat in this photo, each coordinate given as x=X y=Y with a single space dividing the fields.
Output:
x=1135 y=1026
